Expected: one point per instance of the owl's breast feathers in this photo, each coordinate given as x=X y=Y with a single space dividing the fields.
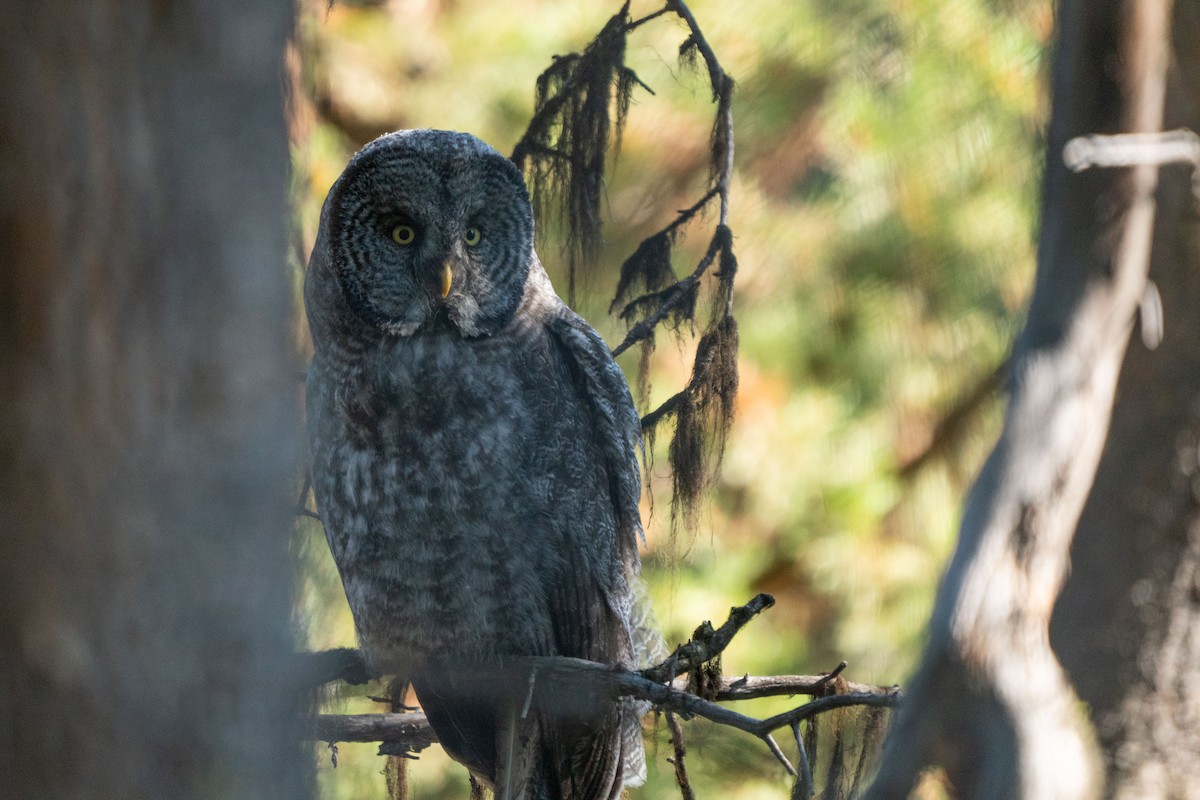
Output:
x=483 y=491
x=480 y=497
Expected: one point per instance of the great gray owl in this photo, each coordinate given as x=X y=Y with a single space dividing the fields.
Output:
x=474 y=459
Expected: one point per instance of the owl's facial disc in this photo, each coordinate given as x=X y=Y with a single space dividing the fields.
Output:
x=431 y=231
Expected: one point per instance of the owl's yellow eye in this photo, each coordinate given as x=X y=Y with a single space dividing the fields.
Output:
x=404 y=235
x=472 y=236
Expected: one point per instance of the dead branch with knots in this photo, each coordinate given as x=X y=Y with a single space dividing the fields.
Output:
x=672 y=687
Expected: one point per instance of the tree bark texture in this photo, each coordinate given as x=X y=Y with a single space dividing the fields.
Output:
x=147 y=400
x=990 y=702
x=1127 y=627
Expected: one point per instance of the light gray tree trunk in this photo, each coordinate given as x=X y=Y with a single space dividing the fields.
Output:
x=990 y=703
x=147 y=402
x=1127 y=627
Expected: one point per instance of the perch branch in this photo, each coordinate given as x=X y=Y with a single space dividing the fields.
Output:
x=565 y=676
x=547 y=682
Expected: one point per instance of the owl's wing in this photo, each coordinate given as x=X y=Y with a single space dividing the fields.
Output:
x=598 y=610
x=600 y=544
x=616 y=427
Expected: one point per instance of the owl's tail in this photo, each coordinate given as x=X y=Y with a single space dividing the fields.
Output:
x=540 y=757
x=530 y=754
x=596 y=761
x=518 y=747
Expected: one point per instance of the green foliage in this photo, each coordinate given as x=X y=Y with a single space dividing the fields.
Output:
x=887 y=164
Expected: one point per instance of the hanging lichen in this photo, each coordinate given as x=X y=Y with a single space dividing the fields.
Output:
x=564 y=149
x=582 y=101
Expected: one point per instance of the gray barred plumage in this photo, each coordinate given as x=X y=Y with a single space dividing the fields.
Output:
x=474 y=458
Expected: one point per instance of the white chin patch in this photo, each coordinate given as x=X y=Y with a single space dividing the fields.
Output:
x=399 y=327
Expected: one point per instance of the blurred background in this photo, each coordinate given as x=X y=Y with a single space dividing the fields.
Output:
x=884 y=209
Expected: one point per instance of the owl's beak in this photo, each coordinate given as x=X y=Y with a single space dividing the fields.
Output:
x=447 y=278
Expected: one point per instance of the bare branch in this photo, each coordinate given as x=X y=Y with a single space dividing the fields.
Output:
x=874 y=699
x=637 y=23
x=716 y=75
x=705 y=646
x=302 y=509
x=950 y=430
x=773 y=746
x=1131 y=149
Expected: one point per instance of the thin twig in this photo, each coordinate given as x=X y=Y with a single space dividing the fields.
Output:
x=302 y=509
x=773 y=746
x=684 y=216
x=831 y=676
x=637 y=23
x=669 y=406
x=823 y=704
x=680 y=764
x=806 y=785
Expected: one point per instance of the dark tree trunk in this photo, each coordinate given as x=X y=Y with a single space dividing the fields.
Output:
x=147 y=402
x=1127 y=627
x=990 y=703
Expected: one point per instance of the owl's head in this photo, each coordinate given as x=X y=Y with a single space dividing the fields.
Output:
x=424 y=230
